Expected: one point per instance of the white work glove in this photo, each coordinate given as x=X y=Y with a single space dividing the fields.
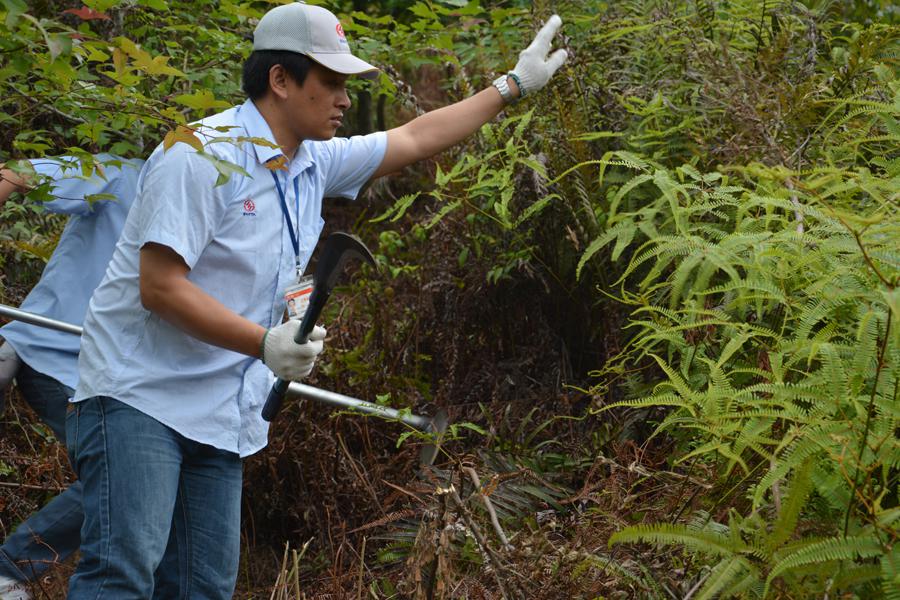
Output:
x=534 y=68
x=288 y=359
x=9 y=364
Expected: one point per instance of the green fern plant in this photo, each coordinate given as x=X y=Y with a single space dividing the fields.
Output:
x=770 y=315
x=753 y=557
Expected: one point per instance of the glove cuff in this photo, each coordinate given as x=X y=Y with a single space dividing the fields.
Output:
x=262 y=347
x=518 y=81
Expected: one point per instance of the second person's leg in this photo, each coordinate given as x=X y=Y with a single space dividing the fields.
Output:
x=54 y=532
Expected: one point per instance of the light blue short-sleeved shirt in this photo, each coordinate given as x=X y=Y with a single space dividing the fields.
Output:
x=78 y=263
x=235 y=240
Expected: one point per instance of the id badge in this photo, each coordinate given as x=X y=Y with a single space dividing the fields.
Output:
x=297 y=296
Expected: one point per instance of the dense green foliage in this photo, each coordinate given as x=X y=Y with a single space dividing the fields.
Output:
x=764 y=288
x=695 y=228
x=731 y=173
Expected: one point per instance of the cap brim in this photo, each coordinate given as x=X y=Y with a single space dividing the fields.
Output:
x=345 y=64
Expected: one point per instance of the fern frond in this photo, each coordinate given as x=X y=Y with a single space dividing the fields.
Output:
x=814 y=441
x=890 y=573
x=667 y=533
x=770 y=290
x=855 y=576
x=723 y=574
x=651 y=401
x=828 y=550
x=797 y=493
x=598 y=244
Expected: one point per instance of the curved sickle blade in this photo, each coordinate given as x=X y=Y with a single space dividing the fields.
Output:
x=338 y=249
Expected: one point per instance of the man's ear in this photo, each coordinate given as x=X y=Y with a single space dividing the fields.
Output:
x=278 y=81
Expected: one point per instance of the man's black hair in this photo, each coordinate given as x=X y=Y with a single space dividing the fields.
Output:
x=255 y=76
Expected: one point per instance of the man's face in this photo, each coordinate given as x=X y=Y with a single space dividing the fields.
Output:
x=317 y=107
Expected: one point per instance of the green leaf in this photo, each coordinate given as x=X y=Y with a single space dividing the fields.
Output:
x=706 y=542
x=202 y=100
x=892 y=299
x=595 y=135
x=226 y=169
x=95 y=52
x=828 y=550
x=471 y=427
x=15 y=9
x=154 y=4
x=597 y=245
x=733 y=345
x=404 y=436
x=91 y=198
x=420 y=9
x=101 y=5
x=623 y=239
x=721 y=575
x=445 y=210
x=59 y=45
x=38 y=148
x=398 y=209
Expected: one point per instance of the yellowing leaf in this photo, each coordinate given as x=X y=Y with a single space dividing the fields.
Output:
x=202 y=100
x=119 y=61
x=152 y=65
x=173 y=114
x=155 y=65
x=127 y=46
x=184 y=135
x=94 y=53
x=277 y=164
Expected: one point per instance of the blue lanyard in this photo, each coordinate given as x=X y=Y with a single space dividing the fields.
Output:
x=295 y=237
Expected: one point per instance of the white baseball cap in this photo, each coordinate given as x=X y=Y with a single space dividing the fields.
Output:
x=310 y=30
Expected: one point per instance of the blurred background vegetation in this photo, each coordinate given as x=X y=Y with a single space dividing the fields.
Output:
x=659 y=299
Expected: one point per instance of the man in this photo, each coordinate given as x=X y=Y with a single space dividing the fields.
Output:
x=45 y=362
x=170 y=389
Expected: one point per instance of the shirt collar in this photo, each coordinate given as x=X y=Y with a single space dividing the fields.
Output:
x=255 y=125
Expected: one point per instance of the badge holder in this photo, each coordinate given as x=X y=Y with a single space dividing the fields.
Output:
x=297 y=297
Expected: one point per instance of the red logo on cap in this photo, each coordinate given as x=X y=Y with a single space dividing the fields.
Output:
x=249 y=206
x=340 y=31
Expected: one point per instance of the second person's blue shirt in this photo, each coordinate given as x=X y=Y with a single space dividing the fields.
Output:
x=78 y=263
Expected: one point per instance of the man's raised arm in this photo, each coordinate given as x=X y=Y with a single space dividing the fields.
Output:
x=440 y=129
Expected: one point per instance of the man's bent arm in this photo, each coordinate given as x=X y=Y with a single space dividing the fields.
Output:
x=167 y=292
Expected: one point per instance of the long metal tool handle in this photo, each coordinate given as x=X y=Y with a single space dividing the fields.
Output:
x=294 y=389
x=41 y=321
x=347 y=403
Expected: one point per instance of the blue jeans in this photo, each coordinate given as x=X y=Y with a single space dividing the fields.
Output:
x=51 y=534
x=162 y=512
